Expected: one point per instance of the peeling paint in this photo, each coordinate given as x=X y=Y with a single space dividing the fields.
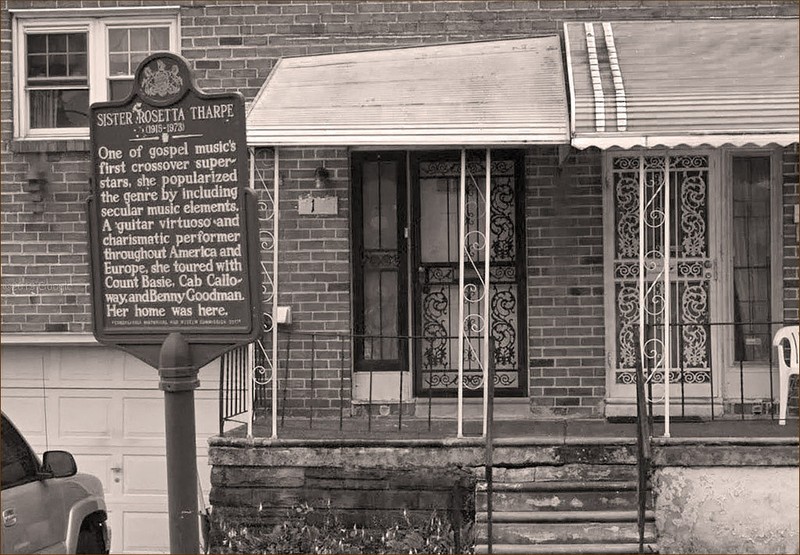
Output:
x=727 y=509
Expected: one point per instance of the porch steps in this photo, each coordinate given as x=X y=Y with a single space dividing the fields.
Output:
x=572 y=508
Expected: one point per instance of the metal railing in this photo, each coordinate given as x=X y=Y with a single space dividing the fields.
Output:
x=644 y=427
x=317 y=386
x=316 y=383
x=747 y=367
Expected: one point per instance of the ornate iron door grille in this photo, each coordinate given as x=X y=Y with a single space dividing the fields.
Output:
x=437 y=287
x=675 y=223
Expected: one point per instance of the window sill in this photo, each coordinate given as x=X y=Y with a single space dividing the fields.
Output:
x=50 y=145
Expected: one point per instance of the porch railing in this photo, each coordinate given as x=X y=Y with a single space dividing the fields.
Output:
x=746 y=362
x=316 y=384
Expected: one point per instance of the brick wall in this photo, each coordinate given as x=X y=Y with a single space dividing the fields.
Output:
x=314 y=275
x=565 y=281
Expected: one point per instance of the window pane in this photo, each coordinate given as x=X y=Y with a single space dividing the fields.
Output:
x=57 y=43
x=59 y=108
x=37 y=44
x=118 y=64
x=76 y=42
x=57 y=65
x=388 y=206
x=37 y=66
x=380 y=314
x=139 y=40
x=77 y=65
x=118 y=40
x=136 y=59
x=119 y=88
x=751 y=260
x=159 y=39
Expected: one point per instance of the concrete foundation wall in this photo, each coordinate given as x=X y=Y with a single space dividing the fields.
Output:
x=727 y=509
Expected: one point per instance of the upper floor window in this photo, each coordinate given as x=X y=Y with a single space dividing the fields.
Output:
x=64 y=63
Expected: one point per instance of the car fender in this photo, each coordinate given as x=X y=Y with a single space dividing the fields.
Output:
x=78 y=513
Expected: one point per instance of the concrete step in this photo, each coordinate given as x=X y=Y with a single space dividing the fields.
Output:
x=559 y=496
x=565 y=532
x=576 y=472
x=565 y=548
x=563 y=516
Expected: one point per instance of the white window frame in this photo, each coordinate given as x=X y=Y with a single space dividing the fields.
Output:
x=95 y=23
x=726 y=256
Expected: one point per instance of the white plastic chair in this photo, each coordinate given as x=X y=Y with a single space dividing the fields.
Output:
x=787 y=337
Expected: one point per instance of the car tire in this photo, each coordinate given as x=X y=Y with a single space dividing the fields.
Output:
x=91 y=538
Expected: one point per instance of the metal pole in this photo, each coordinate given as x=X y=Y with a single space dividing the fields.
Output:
x=276 y=179
x=250 y=358
x=489 y=456
x=461 y=245
x=249 y=376
x=667 y=296
x=642 y=267
x=487 y=375
x=178 y=380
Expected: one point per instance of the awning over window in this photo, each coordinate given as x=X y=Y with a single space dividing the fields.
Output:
x=670 y=83
x=507 y=92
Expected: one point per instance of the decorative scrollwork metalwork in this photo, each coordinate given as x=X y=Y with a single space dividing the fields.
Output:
x=693 y=223
x=628 y=318
x=504 y=331
x=627 y=208
x=625 y=163
x=381 y=259
x=434 y=315
x=626 y=270
x=503 y=247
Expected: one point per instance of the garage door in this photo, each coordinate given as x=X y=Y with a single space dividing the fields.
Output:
x=105 y=407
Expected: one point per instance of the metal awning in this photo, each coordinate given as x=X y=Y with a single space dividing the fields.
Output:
x=670 y=83
x=508 y=92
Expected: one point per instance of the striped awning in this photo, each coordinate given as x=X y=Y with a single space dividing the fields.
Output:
x=509 y=92
x=671 y=83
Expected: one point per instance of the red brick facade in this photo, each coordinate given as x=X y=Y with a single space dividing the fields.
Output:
x=233 y=46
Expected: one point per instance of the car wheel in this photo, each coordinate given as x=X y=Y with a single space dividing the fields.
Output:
x=91 y=538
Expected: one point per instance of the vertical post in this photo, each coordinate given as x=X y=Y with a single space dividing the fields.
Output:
x=487 y=355
x=249 y=378
x=178 y=380
x=642 y=267
x=667 y=296
x=276 y=181
x=461 y=246
x=489 y=454
x=249 y=356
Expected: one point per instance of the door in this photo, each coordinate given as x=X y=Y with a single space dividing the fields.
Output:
x=436 y=288
x=674 y=192
x=105 y=407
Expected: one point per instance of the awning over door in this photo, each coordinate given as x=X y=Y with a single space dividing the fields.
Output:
x=713 y=82
x=507 y=92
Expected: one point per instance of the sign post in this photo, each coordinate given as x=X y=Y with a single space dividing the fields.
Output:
x=174 y=258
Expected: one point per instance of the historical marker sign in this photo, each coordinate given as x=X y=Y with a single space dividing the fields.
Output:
x=169 y=212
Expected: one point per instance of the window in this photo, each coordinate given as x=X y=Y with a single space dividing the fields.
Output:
x=752 y=253
x=19 y=465
x=63 y=64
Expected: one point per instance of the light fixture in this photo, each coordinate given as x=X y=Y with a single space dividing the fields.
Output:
x=321 y=178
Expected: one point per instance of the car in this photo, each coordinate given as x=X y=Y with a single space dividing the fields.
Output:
x=48 y=506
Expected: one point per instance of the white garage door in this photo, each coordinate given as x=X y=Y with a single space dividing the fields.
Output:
x=105 y=407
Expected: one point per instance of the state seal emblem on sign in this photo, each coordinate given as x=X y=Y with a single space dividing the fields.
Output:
x=163 y=81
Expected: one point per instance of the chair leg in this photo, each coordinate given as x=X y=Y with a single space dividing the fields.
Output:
x=784 y=391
